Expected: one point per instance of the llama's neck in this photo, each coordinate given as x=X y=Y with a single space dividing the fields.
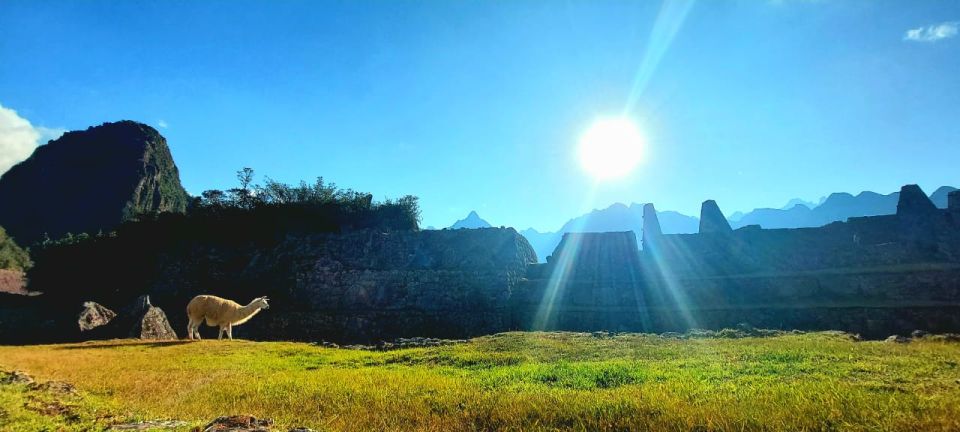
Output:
x=246 y=312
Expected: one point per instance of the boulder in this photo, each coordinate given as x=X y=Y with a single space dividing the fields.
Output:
x=149 y=322
x=58 y=387
x=245 y=423
x=897 y=339
x=140 y=320
x=149 y=425
x=919 y=334
x=153 y=325
x=12 y=281
x=94 y=315
x=946 y=337
x=15 y=377
x=238 y=423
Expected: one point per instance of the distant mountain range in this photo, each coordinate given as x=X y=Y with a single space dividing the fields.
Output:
x=617 y=217
x=836 y=207
x=796 y=214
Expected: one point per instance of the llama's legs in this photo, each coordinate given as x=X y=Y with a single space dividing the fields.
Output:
x=190 y=330
x=230 y=331
x=196 y=329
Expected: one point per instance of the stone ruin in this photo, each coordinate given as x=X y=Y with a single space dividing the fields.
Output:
x=712 y=219
x=146 y=321
x=871 y=275
x=139 y=320
x=875 y=276
x=94 y=315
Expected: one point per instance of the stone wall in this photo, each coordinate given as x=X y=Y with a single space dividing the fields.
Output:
x=359 y=286
x=873 y=275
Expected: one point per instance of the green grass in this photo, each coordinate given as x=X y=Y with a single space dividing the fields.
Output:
x=511 y=381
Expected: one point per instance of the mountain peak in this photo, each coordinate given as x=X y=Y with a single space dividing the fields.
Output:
x=939 y=196
x=472 y=221
x=797 y=201
x=91 y=180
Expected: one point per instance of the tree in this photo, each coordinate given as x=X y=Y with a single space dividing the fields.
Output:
x=12 y=257
x=213 y=198
x=243 y=196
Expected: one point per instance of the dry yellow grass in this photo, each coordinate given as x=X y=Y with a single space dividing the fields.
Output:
x=525 y=381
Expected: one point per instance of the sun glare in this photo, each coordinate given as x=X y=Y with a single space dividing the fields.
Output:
x=611 y=148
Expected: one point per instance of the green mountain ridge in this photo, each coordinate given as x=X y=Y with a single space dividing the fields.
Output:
x=91 y=180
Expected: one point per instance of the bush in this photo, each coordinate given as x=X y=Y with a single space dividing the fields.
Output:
x=12 y=257
x=316 y=207
x=238 y=221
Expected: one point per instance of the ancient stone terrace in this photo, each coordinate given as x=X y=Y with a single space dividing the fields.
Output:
x=918 y=233
x=873 y=275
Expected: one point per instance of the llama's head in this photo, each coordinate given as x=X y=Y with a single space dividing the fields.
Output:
x=261 y=302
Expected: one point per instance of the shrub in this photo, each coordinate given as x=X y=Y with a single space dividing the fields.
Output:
x=239 y=221
x=12 y=257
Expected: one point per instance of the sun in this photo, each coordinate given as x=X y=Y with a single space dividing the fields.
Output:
x=611 y=148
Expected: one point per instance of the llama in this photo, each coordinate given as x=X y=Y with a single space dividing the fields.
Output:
x=220 y=312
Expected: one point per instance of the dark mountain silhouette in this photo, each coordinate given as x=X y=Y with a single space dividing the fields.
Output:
x=797 y=201
x=543 y=243
x=87 y=181
x=472 y=221
x=939 y=196
x=617 y=217
x=797 y=214
x=836 y=207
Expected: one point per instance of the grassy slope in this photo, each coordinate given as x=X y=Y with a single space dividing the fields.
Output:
x=523 y=381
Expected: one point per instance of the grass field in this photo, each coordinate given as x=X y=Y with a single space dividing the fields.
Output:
x=511 y=381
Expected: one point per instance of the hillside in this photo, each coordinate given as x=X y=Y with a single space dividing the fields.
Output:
x=510 y=381
x=88 y=181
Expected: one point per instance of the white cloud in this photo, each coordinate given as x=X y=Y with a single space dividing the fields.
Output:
x=162 y=124
x=18 y=138
x=932 y=33
x=49 y=134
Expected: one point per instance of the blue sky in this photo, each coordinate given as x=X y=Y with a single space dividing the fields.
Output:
x=479 y=105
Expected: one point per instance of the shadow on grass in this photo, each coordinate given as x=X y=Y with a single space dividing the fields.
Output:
x=123 y=343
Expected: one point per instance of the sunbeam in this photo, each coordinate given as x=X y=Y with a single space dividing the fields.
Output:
x=562 y=264
x=668 y=22
x=660 y=258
